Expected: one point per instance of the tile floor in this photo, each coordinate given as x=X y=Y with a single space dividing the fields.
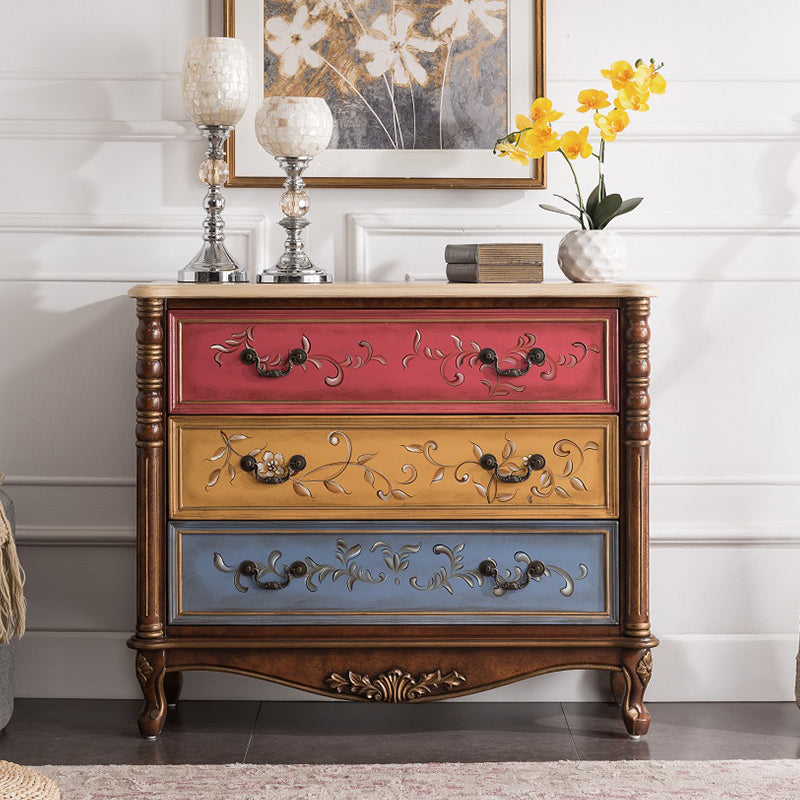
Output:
x=207 y=732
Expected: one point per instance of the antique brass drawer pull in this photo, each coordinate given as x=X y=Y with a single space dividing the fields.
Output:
x=297 y=569
x=535 y=357
x=297 y=356
x=489 y=568
x=530 y=464
x=276 y=475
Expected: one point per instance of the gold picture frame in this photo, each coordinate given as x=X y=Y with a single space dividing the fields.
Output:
x=520 y=47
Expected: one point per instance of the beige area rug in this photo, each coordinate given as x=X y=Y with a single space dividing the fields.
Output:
x=562 y=780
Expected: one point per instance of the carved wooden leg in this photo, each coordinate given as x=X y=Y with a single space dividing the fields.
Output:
x=617 y=686
x=173 y=683
x=150 y=673
x=637 y=666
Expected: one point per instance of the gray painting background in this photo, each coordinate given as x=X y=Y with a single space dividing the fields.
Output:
x=474 y=111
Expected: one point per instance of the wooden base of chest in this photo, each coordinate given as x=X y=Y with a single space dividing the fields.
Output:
x=412 y=667
x=478 y=564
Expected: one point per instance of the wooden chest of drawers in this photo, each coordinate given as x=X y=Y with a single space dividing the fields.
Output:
x=392 y=493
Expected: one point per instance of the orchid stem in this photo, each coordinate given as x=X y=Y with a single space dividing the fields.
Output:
x=600 y=162
x=577 y=185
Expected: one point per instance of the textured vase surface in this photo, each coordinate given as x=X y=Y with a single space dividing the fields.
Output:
x=215 y=80
x=294 y=126
x=592 y=256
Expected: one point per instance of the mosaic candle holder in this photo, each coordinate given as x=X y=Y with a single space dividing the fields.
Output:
x=293 y=130
x=216 y=85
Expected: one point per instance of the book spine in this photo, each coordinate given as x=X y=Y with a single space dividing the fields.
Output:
x=461 y=254
x=462 y=273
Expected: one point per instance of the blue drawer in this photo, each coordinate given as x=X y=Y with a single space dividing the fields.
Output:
x=420 y=572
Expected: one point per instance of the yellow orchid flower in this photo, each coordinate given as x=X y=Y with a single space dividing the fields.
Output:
x=592 y=99
x=632 y=99
x=657 y=84
x=615 y=122
x=542 y=111
x=574 y=144
x=647 y=79
x=620 y=74
x=512 y=151
x=539 y=140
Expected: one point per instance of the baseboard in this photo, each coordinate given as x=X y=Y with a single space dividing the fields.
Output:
x=688 y=667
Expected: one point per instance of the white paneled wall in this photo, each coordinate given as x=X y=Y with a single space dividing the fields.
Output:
x=100 y=192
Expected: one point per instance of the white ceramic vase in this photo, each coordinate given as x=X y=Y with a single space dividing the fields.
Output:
x=592 y=256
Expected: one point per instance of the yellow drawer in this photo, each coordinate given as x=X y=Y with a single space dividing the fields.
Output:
x=524 y=467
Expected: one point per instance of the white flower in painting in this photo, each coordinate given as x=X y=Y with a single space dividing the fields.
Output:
x=294 y=41
x=392 y=47
x=337 y=7
x=457 y=14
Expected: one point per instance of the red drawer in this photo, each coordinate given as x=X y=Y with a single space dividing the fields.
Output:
x=401 y=361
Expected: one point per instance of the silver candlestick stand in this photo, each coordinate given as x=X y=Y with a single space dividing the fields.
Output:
x=294 y=266
x=213 y=263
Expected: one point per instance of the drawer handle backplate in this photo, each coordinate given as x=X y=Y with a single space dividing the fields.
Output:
x=530 y=464
x=296 y=464
x=536 y=356
x=250 y=569
x=489 y=568
x=297 y=356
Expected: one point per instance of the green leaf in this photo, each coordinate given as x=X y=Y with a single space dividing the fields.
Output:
x=567 y=200
x=605 y=211
x=556 y=210
x=592 y=200
x=628 y=205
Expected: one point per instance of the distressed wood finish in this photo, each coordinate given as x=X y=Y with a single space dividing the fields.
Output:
x=414 y=466
x=402 y=662
x=636 y=665
x=636 y=444
x=150 y=428
x=370 y=361
x=401 y=572
x=573 y=294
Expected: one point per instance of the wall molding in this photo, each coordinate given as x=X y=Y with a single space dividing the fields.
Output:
x=75 y=536
x=97 y=130
x=758 y=536
x=50 y=76
x=650 y=131
x=67 y=480
x=362 y=226
x=680 y=480
x=251 y=225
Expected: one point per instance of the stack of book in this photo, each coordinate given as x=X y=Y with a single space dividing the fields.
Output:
x=494 y=263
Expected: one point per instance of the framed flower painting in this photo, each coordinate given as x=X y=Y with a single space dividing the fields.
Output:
x=419 y=91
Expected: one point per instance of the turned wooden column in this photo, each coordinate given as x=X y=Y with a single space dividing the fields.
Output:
x=150 y=520
x=636 y=464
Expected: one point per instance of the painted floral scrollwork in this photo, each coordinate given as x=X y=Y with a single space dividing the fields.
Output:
x=271 y=463
x=336 y=366
x=396 y=560
x=564 y=482
x=452 y=362
x=495 y=479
